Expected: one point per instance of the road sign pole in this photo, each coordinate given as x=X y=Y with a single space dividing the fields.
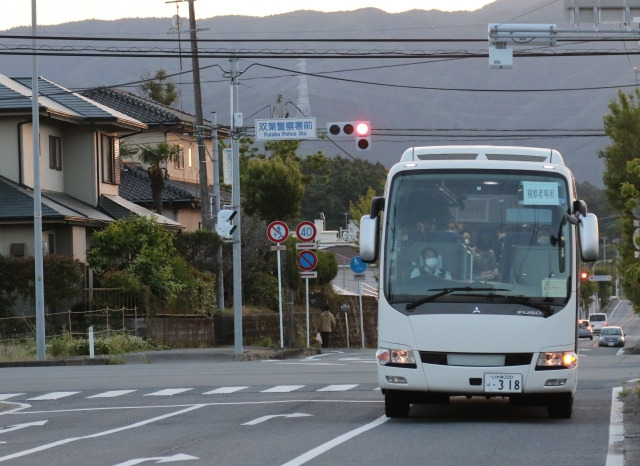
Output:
x=280 y=299
x=307 y=286
x=361 y=317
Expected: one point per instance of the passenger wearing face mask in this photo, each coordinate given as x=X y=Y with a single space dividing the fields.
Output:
x=430 y=258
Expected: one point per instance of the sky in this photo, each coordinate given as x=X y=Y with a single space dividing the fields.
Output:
x=49 y=12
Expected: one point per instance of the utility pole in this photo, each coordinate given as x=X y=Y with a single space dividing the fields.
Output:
x=37 y=200
x=216 y=206
x=197 y=97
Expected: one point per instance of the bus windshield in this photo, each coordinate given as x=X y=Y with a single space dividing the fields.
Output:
x=477 y=232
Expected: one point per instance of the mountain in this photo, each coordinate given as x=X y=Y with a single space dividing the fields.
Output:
x=406 y=99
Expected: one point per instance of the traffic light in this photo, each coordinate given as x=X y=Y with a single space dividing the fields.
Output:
x=359 y=130
x=224 y=227
x=363 y=135
x=584 y=276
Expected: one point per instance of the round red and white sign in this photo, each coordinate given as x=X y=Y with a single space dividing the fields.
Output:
x=306 y=231
x=277 y=231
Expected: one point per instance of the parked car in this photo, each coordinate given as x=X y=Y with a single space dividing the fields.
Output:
x=612 y=336
x=584 y=329
x=598 y=321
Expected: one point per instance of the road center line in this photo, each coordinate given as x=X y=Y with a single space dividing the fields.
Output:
x=311 y=454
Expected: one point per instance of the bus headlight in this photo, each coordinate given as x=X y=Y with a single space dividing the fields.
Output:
x=557 y=360
x=395 y=357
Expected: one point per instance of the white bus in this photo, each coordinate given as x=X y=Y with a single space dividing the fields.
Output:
x=478 y=248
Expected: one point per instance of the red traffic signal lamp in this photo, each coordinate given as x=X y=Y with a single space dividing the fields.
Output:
x=360 y=130
x=584 y=276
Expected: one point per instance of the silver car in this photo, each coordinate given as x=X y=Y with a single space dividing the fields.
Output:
x=584 y=329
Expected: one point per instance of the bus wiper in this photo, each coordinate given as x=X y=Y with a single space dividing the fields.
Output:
x=446 y=291
x=525 y=301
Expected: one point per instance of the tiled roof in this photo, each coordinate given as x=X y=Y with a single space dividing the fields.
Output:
x=148 y=111
x=15 y=94
x=17 y=204
x=136 y=187
x=121 y=208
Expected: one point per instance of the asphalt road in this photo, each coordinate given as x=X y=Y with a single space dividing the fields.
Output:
x=321 y=409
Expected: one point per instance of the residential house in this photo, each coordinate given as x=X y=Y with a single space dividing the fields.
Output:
x=181 y=197
x=79 y=168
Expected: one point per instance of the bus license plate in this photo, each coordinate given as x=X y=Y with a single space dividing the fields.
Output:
x=503 y=383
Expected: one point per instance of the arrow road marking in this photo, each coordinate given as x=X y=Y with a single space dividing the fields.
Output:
x=22 y=426
x=266 y=418
x=160 y=459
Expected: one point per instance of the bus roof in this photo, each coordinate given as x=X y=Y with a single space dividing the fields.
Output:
x=504 y=153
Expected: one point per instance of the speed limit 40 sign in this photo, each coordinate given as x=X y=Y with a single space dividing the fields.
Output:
x=306 y=231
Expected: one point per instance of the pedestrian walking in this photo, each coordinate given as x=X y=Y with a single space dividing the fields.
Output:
x=327 y=325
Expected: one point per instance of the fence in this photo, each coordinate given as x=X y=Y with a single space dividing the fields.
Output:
x=111 y=310
x=105 y=309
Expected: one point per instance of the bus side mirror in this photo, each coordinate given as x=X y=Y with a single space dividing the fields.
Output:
x=589 y=237
x=369 y=228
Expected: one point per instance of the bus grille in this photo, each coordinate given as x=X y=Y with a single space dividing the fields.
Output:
x=475 y=359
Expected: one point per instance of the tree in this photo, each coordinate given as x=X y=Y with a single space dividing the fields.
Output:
x=272 y=189
x=332 y=184
x=159 y=88
x=622 y=182
x=136 y=253
x=156 y=158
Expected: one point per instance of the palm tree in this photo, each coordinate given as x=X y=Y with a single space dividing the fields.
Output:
x=156 y=158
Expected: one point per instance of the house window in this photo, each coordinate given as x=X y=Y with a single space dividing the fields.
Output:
x=110 y=154
x=55 y=153
x=179 y=160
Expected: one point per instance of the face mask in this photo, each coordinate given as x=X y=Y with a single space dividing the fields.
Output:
x=431 y=262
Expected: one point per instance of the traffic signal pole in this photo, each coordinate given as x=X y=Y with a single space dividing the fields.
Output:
x=235 y=201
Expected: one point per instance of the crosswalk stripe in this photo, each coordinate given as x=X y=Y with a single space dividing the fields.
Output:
x=169 y=392
x=225 y=390
x=111 y=394
x=338 y=388
x=282 y=389
x=52 y=396
x=6 y=396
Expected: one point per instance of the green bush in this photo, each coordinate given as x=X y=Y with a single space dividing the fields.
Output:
x=66 y=345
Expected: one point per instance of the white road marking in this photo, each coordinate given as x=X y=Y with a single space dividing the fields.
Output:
x=282 y=389
x=266 y=418
x=160 y=459
x=169 y=392
x=311 y=454
x=338 y=388
x=225 y=390
x=615 y=455
x=6 y=396
x=112 y=394
x=104 y=433
x=52 y=396
x=22 y=426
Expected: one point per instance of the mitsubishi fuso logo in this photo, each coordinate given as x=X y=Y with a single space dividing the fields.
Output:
x=476 y=310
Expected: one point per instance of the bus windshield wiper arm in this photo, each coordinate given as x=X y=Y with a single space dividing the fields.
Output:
x=545 y=308
x=446 y=291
